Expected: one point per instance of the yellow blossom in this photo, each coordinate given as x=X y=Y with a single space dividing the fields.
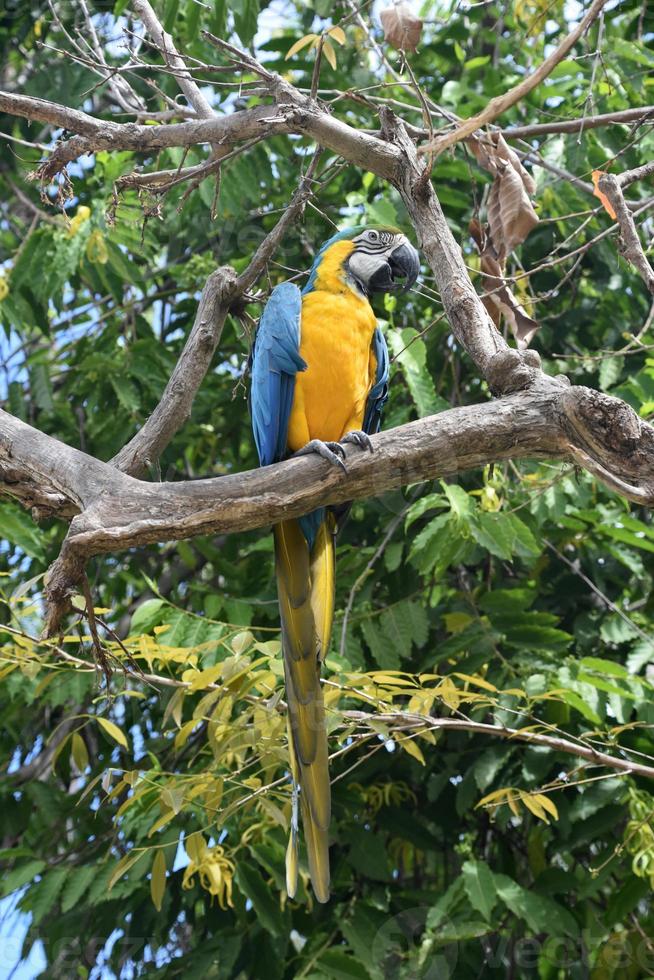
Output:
x=216 y=871
x=82 y=215
x=96 y=248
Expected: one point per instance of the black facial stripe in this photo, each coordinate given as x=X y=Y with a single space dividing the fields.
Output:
x=380 y=243
x=372 y=248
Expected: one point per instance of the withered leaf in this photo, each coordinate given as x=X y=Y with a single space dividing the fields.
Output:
x=510 y=213
x=522 y=326
x=492 y=148
x=402 y=29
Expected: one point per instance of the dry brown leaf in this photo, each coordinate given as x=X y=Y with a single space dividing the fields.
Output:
x=522 y=326
x=489 y=150
x=510 y=212
x=402 y=29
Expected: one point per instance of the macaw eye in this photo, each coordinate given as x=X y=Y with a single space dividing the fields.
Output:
x=373 y=236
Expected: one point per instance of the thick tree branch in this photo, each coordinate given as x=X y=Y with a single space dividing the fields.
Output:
x=117 y=512
x=501 y=103
x=100 y=134
x=296 y=113
x=638 y=173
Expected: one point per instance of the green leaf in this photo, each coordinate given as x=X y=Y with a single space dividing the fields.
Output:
x=480 y=887
x=384 y=648
x=41 y=387
x=637 y=53
x=79 y=752
x=170 y=15
x=126 y=391
x=77 y=883
x=246 y=13
x=642 y=653
x=461 y=502
x=41 y=898
x=158 y=879
x=17 y=528
x=340 y=965
x=604 y=666
x=411 y=354
x=609 y=372
x=540 y=913
x=264 y=901
x=147 y=615
x=113 y=731
x=447 y=904
x=20 y=876
x=494 y=533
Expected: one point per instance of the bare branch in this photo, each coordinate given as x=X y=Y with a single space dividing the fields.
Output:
x=118 y=85
x=639 y=173
x=410 y=721
x=576 y=125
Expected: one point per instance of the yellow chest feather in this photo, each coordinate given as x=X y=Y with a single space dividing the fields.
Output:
x=336 y=333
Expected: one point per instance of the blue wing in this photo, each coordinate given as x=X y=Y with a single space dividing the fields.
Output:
x=274 y=364
x=378 y=394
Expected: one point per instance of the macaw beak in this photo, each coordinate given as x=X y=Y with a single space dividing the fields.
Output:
x=399 y=270
x=405 y=264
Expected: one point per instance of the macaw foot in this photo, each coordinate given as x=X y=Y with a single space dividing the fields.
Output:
x=359 y=438
x=333 y=452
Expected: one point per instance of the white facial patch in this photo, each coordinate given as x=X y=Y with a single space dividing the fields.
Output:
x=363 y=266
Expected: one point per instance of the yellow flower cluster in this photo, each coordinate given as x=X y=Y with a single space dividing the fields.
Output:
x=216 y=871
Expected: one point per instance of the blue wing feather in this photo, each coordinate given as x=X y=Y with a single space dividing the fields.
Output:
x=378 y=395
x=275 y=362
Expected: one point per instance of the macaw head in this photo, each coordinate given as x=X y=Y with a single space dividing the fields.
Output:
x=383 y=261
x=373 y=260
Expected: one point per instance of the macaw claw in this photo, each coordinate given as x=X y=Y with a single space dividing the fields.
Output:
x=359 y=438
x=333 y=452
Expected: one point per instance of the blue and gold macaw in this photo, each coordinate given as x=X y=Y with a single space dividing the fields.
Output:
x=320 y=379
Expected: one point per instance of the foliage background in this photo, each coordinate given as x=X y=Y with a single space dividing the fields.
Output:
x=528 y=579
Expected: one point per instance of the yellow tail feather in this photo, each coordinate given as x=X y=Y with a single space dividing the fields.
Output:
x=305 y=585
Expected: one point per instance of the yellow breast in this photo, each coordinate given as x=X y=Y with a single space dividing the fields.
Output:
x=336 y=333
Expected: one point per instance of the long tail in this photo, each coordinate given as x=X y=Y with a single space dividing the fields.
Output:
x=305 y=585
